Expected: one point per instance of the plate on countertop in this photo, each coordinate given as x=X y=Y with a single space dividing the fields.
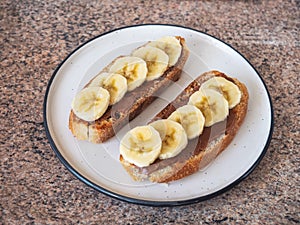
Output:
x=97 y=165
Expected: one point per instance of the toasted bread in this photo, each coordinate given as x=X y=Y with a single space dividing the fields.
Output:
x=131 y=105
x=199 y=151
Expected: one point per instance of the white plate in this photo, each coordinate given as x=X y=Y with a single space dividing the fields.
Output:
x=97 y=165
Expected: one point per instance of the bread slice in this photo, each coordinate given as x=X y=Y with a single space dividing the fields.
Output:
x=131 y=105
x=199 y=151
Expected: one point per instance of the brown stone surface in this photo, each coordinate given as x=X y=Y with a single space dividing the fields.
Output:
x=36 y=36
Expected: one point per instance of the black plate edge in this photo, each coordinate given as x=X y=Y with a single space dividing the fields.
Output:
x=140 y=201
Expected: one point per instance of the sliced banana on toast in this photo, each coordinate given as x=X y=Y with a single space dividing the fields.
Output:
x=91 y=103
x=98 y=80
x=157 y=60
x=169 y=44
x=212 y=104
x=124 y=74
x=173 y=136
x=207 y=106
x=191 y=119
x=134 y=69
x=116 y=85
x=230 y=91
x=141 y=145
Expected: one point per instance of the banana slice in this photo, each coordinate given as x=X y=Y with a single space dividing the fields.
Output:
x=191 y=119
x=91 y=103
x=156 y=59
x=115 y=83
x=212 y=104
x=230 y=91
x=134 y=69
x=141 y=146
x=98 y=80
x=173 y=136
x=170 y=45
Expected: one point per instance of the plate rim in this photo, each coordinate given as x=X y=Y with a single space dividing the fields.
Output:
x=124 y=198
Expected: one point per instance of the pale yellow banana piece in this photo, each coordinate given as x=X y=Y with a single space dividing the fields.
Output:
x=98 y=80
x=115 y=83
x=230 y=91
x=170 y=45
x=141 y=146
x=91 y=103
x=191 y=119
x=212 y=104
x=173 y=136
x=156 y=59
x=134 y=69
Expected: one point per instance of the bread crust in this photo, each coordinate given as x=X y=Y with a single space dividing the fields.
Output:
x=130 y=106
x=199 y=158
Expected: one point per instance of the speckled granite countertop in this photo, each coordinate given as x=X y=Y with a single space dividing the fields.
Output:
x=37 y=35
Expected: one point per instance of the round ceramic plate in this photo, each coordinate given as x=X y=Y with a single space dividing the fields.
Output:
x=98 y=165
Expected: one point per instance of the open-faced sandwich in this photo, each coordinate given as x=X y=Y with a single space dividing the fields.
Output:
x=189 y=132
x=125 y=87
